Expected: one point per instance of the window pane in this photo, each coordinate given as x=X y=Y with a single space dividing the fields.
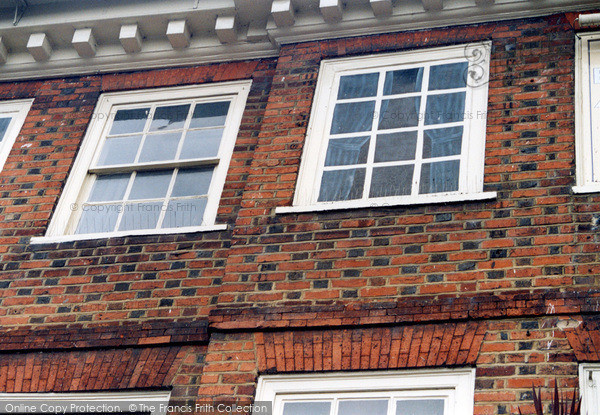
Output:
x=346 y=151
x=140 y=216
x=150 y=184
x=170 y=118
x=184 y=212
x=192 y=182
x=445 y=108
x=109 y=187
x=98 y=218
x=120 y=150
x=439 y=177
x=396 y=146
x=342 y=185
x=403 y=81
x=399 y=113
x=420 y=407
x=210 y=114
x=352 y=117
x=363 y=407
x=129 y=121
x=391 y=181
x=306 y=408
x=442 y=142
x=357 y=86
x=4 y=122
x=159 y=147
x=453 y=75
x=201 y=143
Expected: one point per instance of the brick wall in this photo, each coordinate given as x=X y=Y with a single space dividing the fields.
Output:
x=492 y=277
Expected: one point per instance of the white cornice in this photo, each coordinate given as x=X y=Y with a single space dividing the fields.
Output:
x=256 y=33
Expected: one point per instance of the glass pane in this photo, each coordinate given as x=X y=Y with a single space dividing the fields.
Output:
x=357 y=86
x=210 y=114
x=109 y=187
x=346 y=151
x=159 y=147
x=363 y=407
x=445 y=108
x=399 y=113
x=439 y=177
x=442 y=142
x=201 y=143
x=98 y=218
x=342 y=185
x=150 y=184
x=192 y=182
x=140 y=216
x=391 y=181
x=352 y=117
x=4 y=122
x=396 y=146
x=420 y=407
x=169 y=118
x=129 y=121
x=306 y=408
x=453 y=75
x=403 y=81
x=184 y=212
x=120 y=150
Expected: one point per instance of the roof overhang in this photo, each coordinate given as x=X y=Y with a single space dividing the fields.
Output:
x=47 y=38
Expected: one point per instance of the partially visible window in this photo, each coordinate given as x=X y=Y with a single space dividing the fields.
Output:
x=589 y=385
x=587 y=112
x=130 y=403
x=153 y=162
x=423 y=392
x=12 y=117
x=397 y=129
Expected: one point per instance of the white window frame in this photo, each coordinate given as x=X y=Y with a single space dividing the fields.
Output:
x=17 y=110
x=589 y=384
x=455 y=386
x=587 y=141
x=473 y=148
x=78 y=182
x=154 y=402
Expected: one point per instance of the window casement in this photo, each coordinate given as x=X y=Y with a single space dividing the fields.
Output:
x=142 y=402
x=587 y=112
x=152 y=161
x=589 y=385
x=426 y=392
x=394 y=129
x=12 y=117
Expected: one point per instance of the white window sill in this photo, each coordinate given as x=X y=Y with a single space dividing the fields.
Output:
x=143 y=232
x=587 y=188
x=388 y=202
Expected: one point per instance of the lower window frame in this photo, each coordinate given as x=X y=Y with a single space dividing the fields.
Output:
x=461 y=381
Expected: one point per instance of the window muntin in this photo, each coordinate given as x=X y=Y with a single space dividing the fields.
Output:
x=12 y=118
x=152 y=162
x=428 y=392
x=399 y=128
x=587 y=112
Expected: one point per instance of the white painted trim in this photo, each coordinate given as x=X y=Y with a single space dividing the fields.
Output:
x=587 y=147
x=17 y=110
x=388 y=202
x=457 y=386
x=471 y=175
x=144 y=401
x=84 y=237
x=589 y=388
x=74 y=193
